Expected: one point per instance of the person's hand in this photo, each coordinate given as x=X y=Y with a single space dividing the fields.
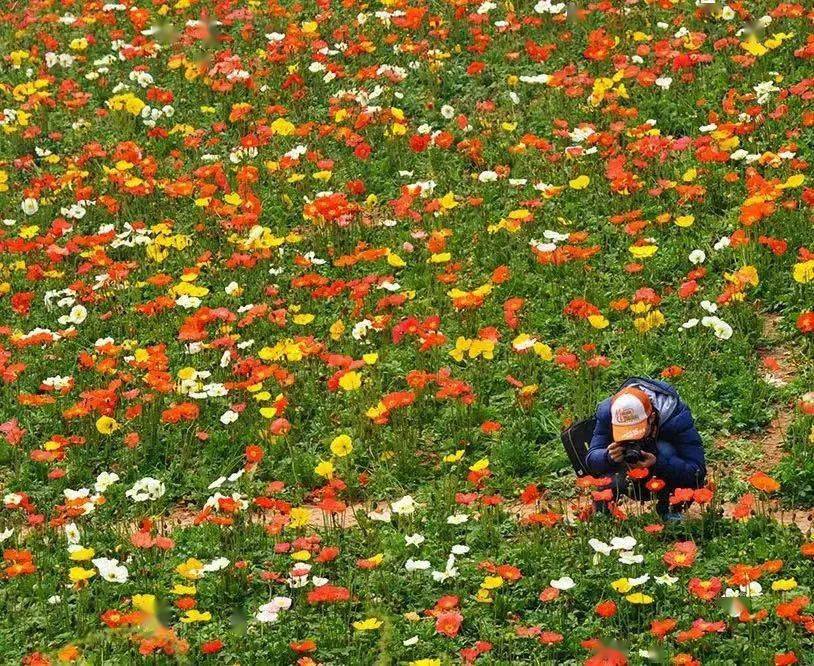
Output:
x=648 y=460
x=616 y=452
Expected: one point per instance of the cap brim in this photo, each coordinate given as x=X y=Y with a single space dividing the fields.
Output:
x=630 y=431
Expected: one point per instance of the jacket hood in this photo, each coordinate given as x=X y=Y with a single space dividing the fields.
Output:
x=658 y=386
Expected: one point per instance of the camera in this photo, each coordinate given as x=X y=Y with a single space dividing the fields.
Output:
x=633 y=450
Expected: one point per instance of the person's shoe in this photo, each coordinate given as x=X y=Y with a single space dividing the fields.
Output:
x=601 y=508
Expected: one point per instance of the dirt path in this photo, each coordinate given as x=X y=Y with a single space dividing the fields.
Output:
x=779 y=367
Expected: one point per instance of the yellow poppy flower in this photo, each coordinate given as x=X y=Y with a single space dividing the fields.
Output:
x=78 y=574
x=491 y=582
x=461 y=345
x=144 y=602
x=454 y=457
x=803 y=272
x=195 y=615
x=643 y=251
x=480 y=465
x=350 y=381
x=192 y=569
x=82 y=554
x=622 y=585
x=300 y=517
x=784 y=585
x=341 y=446
x=106 y=425
x=598 y=321
x=370 y=624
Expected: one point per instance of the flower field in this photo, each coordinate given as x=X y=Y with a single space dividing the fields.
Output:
x=297 y=298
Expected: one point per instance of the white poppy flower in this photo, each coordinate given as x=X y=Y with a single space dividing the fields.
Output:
x=623 y=543
x=104 y=481
x=416 y=565
x=564 y=583
x=414 y=540
x=145 y=489
x=450 y=571
x=382 y=516
x=216 y=564
x=629 y=557
x=697 y=257
x=546 y=7
x=404 y=506
x=666 y=579
x=12 y=500
x=217 y=483
x=30 y=206
x=641 y=580
x=720 y=328
x=270 y=612
x=72 y=533
x=600 y=546
x=111 y=570
x=555 y=236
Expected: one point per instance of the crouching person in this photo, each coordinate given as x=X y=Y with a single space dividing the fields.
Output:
x=646 y=426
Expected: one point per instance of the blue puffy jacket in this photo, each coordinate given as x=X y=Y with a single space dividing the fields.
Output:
x=685 y=468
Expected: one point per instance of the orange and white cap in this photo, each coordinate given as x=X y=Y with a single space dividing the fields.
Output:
x=630 y=412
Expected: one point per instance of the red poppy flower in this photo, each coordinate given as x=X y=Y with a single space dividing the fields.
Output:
x=660 y=628
x=805 y=322
x=705 y=589
x=606 y=609
x=303 y=647
x=550 y=637
x=328 y=594
x=606 y=656
x=449 y=623
x=212 y=647
x=681 y=556
x=654 y=485
x=764 y=482
x=638 y=473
